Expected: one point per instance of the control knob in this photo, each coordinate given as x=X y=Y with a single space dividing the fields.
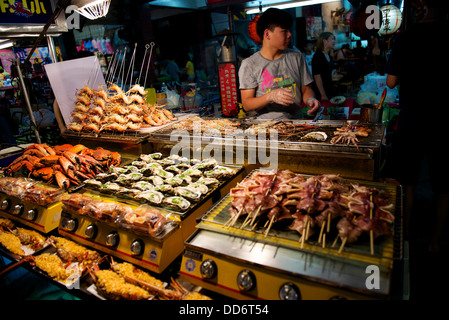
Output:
x=112 y=239
x=137 y=247
x=18 y=209
x=208 y=269
x=69 y=224
x=31 y=214
x=289 y=291
x=246 y=280
x=6 y=203
x=91 y=231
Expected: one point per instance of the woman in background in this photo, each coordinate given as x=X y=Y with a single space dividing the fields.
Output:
x=322 y=65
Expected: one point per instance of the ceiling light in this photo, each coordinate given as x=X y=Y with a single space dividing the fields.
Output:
x=288 y=5
x=92 y=9
x=5 y=45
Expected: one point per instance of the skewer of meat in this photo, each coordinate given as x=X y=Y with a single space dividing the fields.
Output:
x=243 y=201
x=248 y=197
x=267 y=202
x=373 y=217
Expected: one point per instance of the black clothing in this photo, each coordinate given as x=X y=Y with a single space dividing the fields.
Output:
x=320 y=66
x=423 y=114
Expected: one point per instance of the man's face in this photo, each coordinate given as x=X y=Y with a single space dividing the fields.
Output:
x=279 y=38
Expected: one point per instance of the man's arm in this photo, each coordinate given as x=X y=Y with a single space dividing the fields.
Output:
x=308 y=96
x=392 y=81
x=280 y=96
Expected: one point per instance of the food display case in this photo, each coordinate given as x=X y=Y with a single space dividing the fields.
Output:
x=236 y=259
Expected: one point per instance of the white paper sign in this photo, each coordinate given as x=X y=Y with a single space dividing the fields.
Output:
x=67 y=76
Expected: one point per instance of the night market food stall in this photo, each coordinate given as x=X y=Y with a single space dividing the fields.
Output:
x=146 y=203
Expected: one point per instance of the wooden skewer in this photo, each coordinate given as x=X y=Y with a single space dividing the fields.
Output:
x=324 y=241
x=307 y=227
x=269 y=226
x=321 y=231
x=233 y=218
x=335 y=241
x=248 y=219
x=342 y=244
x=302 y=240
x=229 y=220
x=245 y=222
x=328 y=222
x=304 y=232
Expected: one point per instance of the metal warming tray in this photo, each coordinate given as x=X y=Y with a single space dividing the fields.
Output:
x=280 y=267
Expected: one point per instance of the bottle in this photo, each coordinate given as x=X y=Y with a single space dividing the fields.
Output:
x=242 y=113
x=164 y=87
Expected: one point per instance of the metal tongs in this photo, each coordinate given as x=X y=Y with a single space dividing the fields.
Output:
x=318 y=115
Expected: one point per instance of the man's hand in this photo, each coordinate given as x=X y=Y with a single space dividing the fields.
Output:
x=280 y=96
x=313 y=105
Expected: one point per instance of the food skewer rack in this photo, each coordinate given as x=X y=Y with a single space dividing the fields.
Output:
x=243 y=264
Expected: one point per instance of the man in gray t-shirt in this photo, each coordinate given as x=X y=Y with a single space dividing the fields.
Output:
x=275 y=80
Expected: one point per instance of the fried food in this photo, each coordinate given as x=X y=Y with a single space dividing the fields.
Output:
x=11 y=243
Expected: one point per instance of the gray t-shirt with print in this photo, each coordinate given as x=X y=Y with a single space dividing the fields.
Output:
x=289 y=71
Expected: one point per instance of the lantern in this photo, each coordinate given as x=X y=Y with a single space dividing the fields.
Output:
x=252 y=30
x=391 y=19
